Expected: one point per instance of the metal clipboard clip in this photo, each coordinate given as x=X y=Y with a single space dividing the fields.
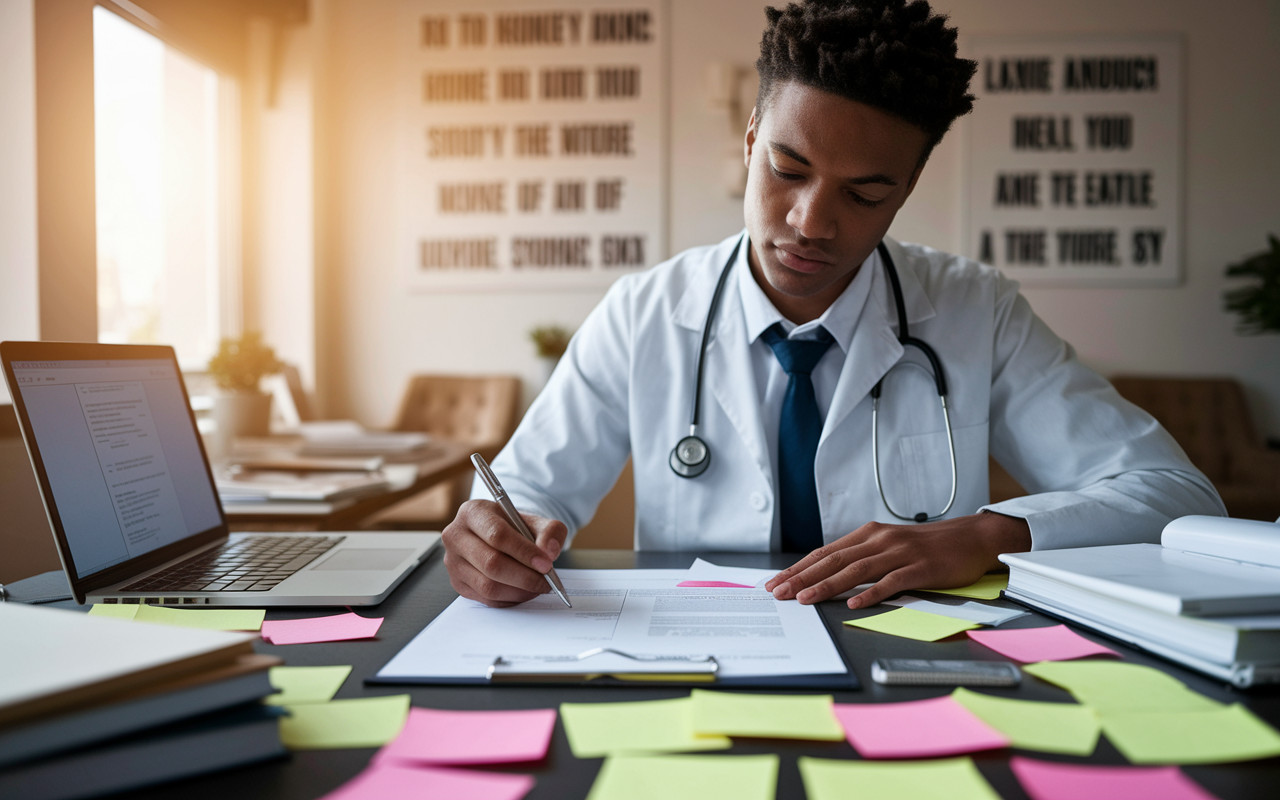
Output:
x=616 y=664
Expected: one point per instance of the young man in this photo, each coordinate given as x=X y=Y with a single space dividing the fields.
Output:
x=854 y=95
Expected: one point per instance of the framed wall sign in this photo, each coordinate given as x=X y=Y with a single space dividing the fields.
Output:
x=533 y=142
x=1073 y=159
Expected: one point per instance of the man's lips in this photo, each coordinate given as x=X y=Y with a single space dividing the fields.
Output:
x=802 y=259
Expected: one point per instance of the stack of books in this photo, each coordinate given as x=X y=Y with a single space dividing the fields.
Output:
x=1207 y=596
x=93 y=705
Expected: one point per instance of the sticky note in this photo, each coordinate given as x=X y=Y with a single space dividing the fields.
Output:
x=1042 y=780
x=1028 y=645
x=1049 y=727
x=988 y=587
x=1113 y=686
x=114 y=610
x=773 y=716
x=305 y=684
x=916 y=729
x=230 y=619
x=939 y=779
x=390 y=782
x=1226 y=734
x=334 y=628
x=471 y=737
x=652 y=726
x=974 y=612
x=364 y=722
x=635 y=777
x=911 y=624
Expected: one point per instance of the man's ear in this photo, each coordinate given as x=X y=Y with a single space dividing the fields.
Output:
x=750 y=139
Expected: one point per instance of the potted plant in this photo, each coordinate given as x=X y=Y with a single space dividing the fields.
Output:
x=550 y=341
x=241 y=409
x=1258 y=305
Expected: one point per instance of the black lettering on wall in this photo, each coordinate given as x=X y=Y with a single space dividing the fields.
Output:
x=1062 y=191
x=608 y=194
x=986 y=251
x=1119 y=189
x=1018 y=74
x=435 y=31
x=529 y=196
x=1018 y=189
x=1088 y=247
x=533 y=141
x=513 y=84
x=1025 y=247
x=570 y=196
x=596 y=139
x=562 y=83
x=1146 y=246
x=470 y=86
x=572 y=252
x=620 y=27
x=1110 y=74
x=458 y=254
x=473 y=30
x=548 y=29
x=473 y=198
x=617 y=83
x=1110 y=132
x=622 y=251
x=1042 y=132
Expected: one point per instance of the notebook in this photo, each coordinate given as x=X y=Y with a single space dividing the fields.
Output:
x=131 y=500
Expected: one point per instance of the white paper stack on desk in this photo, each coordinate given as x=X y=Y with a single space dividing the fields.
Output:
x=92 y=705
x=1208 y=596
x=348 y=438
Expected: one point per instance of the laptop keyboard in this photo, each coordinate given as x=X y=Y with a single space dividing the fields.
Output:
x=252 y=564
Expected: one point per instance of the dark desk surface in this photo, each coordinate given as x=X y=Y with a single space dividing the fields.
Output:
x=310 y=774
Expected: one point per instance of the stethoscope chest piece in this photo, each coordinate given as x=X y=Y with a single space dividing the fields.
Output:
x=690 y=457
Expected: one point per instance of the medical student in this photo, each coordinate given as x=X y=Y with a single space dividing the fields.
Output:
x=791 y=451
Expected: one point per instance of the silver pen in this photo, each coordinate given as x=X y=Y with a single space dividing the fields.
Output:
x=517 y=522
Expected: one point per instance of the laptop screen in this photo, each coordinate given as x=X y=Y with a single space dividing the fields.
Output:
x=121 y=454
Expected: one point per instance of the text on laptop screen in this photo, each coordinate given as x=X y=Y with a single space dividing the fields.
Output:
x=121 y=455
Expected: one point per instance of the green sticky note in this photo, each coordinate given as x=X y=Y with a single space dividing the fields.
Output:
x=911 y=624
x=1049 y=727
x=686 y=778
x=364 y=722
x=1114 y=686
x=305 y=684
x=1225 y=734
x=655 y=726
x=988 y=587
x=115 y=610
x=231 y=619
x=936 y=779
x=765 y=715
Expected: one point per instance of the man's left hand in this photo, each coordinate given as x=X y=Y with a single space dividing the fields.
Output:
x=934 y=555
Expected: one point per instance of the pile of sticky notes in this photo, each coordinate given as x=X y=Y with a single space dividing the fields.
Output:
x=333 y=628
x=419 y=754
x=220 y=619
x=1153 y=718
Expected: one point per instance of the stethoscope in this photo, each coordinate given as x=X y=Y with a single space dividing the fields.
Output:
x=691 y=456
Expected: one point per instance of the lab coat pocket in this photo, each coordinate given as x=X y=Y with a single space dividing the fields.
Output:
x=922 y=476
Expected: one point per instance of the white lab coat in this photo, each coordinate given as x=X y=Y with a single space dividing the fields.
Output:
x=1101 y=471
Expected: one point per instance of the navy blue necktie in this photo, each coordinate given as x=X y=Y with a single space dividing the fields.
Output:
x=799 y=429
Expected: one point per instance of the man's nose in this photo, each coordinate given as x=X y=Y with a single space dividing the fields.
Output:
x=812 y=215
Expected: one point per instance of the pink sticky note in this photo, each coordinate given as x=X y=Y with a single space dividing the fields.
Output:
x=1055 y=643
x=917 y=729
x=1044 y=780
x=712 y=585
x=470 y=737
x=336 y=628
x=389 y=782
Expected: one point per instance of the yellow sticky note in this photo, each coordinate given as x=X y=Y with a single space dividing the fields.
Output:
x=686 y=778
x=114 y=610
x=911 y=624
x=305 y=684
x=1048 y=727
x=1225 y=734
x=654 y=726
x=988 y=587
x=364 y=722
x=230 y=619
x=765 y=715
x=1114 y=686
x=936 y=779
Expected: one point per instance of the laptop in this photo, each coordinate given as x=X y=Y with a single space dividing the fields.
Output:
x=132 y=503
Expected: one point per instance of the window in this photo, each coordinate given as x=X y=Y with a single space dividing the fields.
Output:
x=166 y=130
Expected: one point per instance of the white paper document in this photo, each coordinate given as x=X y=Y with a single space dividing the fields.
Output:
x=980 y=613
x=640 y=612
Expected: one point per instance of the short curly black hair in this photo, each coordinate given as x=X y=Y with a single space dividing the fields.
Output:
x=894 y=55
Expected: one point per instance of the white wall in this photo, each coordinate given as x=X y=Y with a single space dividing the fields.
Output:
x=1232 y=200
x=19 y=299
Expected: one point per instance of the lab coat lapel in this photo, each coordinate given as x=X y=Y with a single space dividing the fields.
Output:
x=875 y=347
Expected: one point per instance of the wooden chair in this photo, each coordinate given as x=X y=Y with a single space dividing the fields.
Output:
x=480 y=410
x=1209 y=418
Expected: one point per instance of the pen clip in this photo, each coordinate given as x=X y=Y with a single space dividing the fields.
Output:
x=486 y=475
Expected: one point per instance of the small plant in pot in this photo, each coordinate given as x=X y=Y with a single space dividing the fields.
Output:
x=551 y=341
x=238 y=368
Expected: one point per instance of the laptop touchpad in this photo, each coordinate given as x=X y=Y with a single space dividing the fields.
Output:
x=366 y=558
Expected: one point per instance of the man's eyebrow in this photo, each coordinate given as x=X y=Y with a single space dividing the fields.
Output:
x=862 y=180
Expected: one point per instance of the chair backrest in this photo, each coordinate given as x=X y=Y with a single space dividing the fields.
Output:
x=479 y=409
x=1207 y=416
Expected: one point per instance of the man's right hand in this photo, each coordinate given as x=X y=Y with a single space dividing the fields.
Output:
x=488 y=560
